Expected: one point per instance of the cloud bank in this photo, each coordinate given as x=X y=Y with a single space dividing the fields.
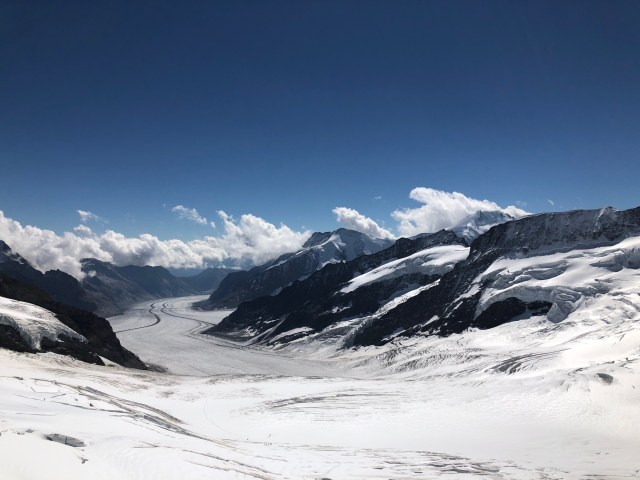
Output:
x=243 y=242
x=354 y=220
x=442 y=210
x=251 y=239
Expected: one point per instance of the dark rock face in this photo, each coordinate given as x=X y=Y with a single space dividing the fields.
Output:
x=62 y=287
x=118 y=287
x=448 y=306
x=444 y=309
x=339 y=246
x=11 y=340
x=316 y=302
x=101 y=341
x=508 y=310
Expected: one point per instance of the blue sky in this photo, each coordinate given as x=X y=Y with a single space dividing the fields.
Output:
x=287 y=109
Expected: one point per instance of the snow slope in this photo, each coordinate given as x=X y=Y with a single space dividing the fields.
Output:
x=527 y=400
x=33 y=323
x=577 y=279
x=431 y=261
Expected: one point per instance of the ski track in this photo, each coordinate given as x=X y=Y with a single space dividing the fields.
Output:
x=226 y=410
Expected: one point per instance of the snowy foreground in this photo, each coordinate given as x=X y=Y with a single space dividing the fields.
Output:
x=527 y=400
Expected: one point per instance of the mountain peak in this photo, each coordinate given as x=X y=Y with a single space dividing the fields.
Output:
x=319 y=250
x=479 y=222
x=317 y=238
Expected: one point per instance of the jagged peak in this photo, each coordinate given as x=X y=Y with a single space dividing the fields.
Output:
x=344 y=234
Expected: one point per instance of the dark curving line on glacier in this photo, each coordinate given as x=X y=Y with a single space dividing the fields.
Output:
x=158 y=319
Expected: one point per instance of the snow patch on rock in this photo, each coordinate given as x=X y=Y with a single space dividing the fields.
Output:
x=564 y=279
x=34 y=323
x=431 y=261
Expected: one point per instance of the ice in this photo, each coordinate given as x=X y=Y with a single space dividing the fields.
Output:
x=33 y=323
x=564 y=279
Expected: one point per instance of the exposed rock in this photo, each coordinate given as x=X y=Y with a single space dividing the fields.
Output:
x=101 y=341
x=453 y=301
x=269 y=279
x=318 y=301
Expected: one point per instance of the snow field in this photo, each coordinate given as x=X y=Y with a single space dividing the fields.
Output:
x=527 y=400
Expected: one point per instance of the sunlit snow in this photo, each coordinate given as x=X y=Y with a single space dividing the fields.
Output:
x=430 y=261
x=33 y=323
x=527 y=400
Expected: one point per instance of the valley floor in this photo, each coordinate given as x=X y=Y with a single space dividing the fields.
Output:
x=501 y=404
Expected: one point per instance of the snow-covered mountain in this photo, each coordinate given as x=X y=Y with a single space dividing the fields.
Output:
x=340 y=291
x=269 y=279
x=549 y=265
x=552 y=265
x=32 y=321
x=478 y=223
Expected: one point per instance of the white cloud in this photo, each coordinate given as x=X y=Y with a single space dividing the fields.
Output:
x=83 y=230
x=253 y=239
x=442 y=210
x=190 y=214
x=86 y=215
x=249 y=240
x=354 y=220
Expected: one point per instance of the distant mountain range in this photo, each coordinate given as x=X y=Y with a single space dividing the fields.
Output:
x=107 y=289
x=350 y=289
x=114 y=288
